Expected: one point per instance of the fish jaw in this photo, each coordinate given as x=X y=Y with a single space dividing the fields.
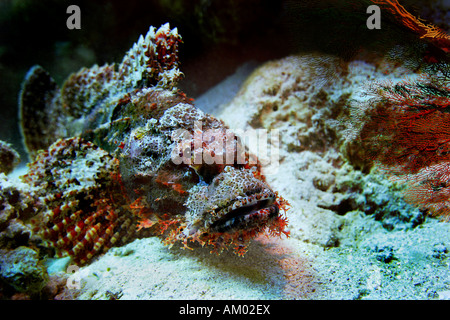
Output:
x=231 y=211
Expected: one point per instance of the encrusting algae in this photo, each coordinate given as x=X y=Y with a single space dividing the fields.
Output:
x=119 y=164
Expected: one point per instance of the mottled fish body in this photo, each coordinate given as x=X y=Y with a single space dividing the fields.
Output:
x=129 y=123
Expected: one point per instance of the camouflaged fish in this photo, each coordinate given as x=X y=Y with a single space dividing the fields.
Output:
x=108 y=174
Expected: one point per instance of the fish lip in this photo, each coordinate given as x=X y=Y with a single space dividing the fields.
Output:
x=237 y=217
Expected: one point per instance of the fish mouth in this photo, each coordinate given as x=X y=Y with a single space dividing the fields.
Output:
x=246 y=213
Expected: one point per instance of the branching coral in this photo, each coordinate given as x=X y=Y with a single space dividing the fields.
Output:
x=406 y=129
x=405 y=126
x=408 y=125
x=430 y=189
x=429 y=32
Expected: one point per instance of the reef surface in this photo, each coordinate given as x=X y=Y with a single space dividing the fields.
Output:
x=104 y=191
x=352 y=235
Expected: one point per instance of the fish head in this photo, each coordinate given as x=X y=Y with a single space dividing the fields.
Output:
x=234 y=200
x=196 y=177
x=235 y=207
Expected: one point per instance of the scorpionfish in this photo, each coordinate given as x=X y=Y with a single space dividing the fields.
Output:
x=113 y=159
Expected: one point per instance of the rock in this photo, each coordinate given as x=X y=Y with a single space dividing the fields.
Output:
x=9 y=158
x=440 y=251
x=320 y=171
x=18 y=205
x=374 y=195
x=294 y=95
x=21 y=269
x=384 y=254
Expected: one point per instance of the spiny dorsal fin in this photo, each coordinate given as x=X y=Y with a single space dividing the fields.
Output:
x=151 y=62
x=37 y=110
x=46 y=110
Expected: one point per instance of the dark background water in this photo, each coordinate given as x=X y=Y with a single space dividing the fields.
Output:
x=218 y=36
